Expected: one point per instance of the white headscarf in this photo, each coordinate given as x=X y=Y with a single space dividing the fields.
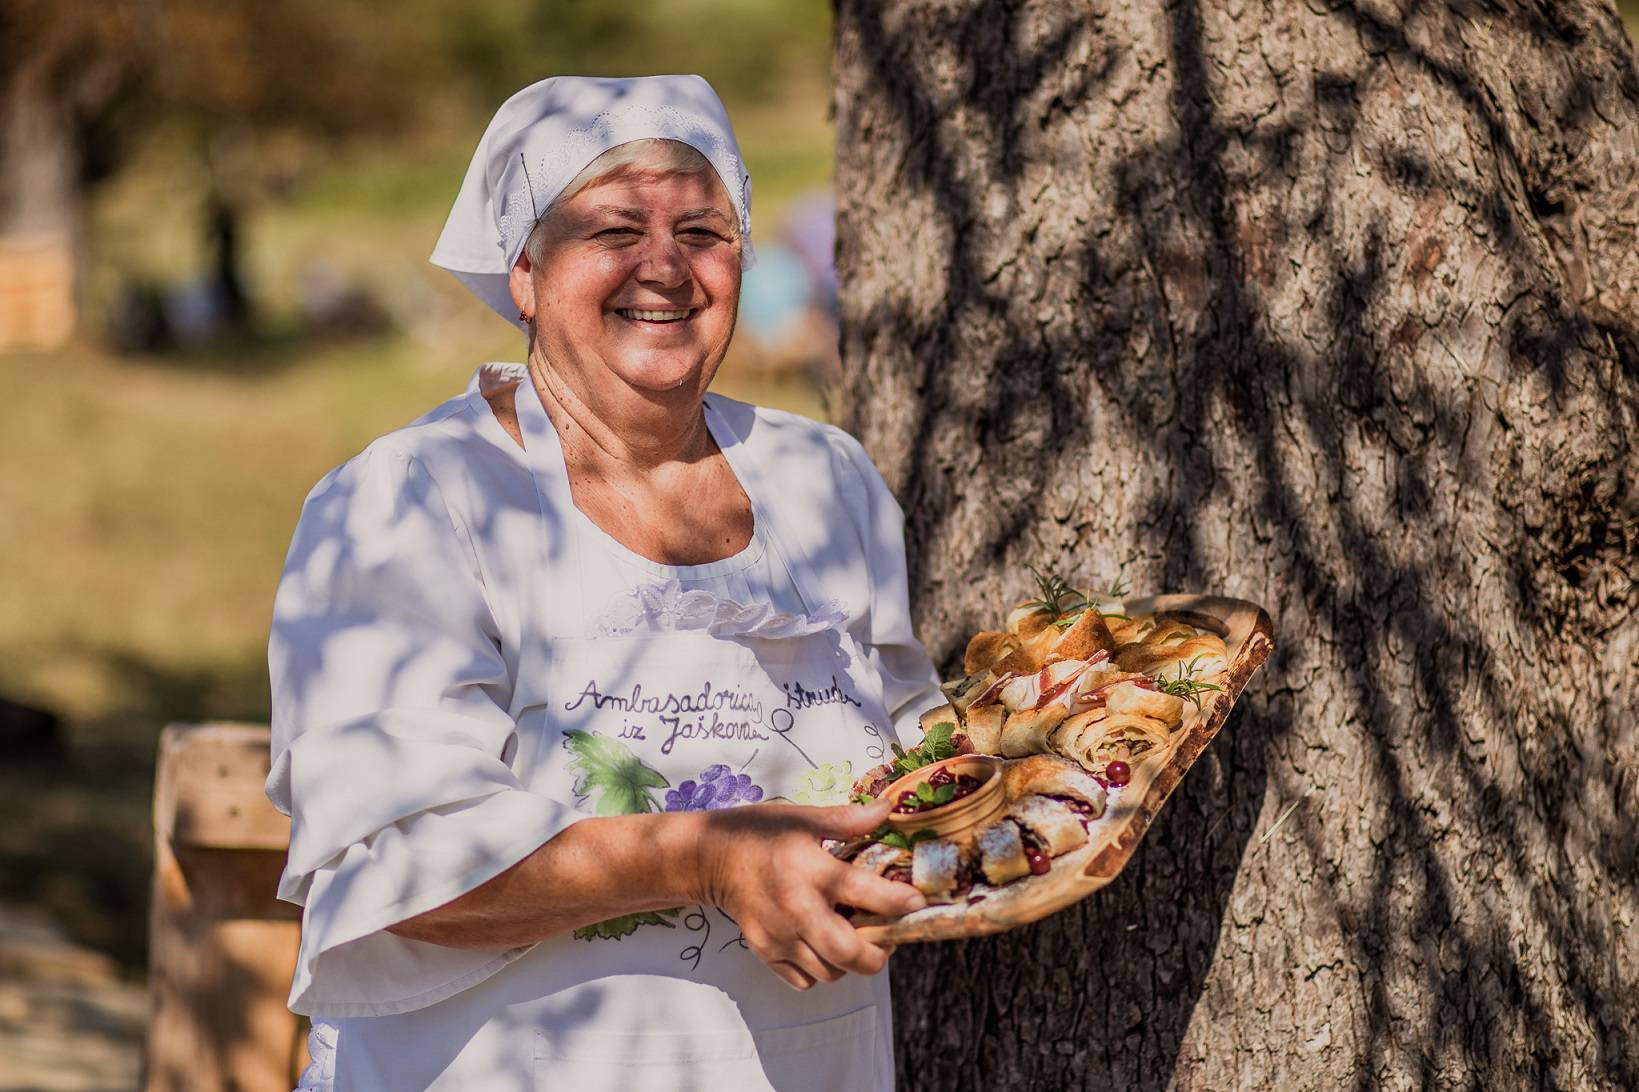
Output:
x=545 y=135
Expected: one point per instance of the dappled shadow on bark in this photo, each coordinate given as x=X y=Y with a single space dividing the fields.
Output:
x=1369 y=464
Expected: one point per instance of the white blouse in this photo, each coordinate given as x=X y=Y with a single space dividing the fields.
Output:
x=397 y=635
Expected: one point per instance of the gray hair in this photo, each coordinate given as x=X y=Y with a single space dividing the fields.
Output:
x=653 y=154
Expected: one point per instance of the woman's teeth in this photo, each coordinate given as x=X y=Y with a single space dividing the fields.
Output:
x=652 y=316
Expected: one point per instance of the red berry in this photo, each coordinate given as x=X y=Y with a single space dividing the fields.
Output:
x=1040 y=862
x=1117 y=773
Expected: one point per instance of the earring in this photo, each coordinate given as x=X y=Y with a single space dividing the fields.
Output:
x=522 y=316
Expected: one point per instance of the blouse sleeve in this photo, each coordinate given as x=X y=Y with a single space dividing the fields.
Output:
x=390 y=737
x=910 y=685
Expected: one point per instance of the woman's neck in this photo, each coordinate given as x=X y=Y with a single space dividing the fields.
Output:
x=628 y=433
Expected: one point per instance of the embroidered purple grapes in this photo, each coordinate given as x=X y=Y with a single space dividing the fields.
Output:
x=717 y=788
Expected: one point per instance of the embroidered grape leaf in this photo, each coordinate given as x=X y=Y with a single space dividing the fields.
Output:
x=609 y=772
x=626 y=925
x=827 y=784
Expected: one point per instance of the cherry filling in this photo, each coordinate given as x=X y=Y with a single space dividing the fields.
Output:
x=910 y=803
x=1118 y=773
x=898 y=873
x=1083 y=810
x=1041 y=862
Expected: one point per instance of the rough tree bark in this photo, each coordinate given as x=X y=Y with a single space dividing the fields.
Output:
x=1333 y=306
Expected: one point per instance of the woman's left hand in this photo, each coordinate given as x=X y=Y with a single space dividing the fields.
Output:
x=763 y=865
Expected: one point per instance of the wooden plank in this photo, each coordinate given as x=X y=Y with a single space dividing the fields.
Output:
x=221 y=947
x=218 y=772
x=36 y=291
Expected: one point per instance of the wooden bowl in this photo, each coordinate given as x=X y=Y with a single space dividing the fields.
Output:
x=958 y=819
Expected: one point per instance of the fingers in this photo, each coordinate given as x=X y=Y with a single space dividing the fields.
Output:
x=811 y=938
x=849 y=820
x=863 y=890
x=791 y=976
x=808 y=960
x=839 y=945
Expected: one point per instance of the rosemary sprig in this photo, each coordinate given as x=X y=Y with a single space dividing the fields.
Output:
x=1073 y=602
x=1057 y=596
x=1119 y=587
x=1185 y=686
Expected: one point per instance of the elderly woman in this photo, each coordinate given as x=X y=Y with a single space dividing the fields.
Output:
x=556 y=666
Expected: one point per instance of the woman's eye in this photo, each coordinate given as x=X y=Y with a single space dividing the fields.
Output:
x=700 y=235
x=616 y=234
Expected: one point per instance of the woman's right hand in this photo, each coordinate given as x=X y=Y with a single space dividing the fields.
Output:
x=763 y=866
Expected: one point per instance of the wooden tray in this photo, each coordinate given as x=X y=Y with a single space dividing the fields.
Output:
x=1248 y=637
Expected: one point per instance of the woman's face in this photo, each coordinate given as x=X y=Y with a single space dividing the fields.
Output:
x=639 y=279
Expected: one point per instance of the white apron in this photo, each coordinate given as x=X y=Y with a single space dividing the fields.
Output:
x=645 y=721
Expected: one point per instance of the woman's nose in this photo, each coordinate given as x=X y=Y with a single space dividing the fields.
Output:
x=664 y=264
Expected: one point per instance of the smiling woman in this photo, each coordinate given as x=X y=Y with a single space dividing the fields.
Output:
x=629 y=284
x=539 y=663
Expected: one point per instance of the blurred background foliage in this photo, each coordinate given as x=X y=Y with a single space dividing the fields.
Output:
x=249 y=191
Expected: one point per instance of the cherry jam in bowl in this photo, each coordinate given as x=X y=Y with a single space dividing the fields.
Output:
x=950 y=798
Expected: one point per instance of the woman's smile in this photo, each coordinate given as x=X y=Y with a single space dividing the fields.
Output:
x=652 y=317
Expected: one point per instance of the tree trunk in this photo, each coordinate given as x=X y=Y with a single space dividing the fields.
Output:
x=39 y=156
x=1332 y=306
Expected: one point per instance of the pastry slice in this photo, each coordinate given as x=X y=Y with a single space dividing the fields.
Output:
x=1068 y=735
x=963 y=692
x=984 y=727
x=1126 y=631
x=998 y=652
x=1172 y=644
x=1199 y=657
x=1050 y=775
x=1001 y=853
x=1037 y=649
x=1025 y=732
x=1115 y=736
x=1140 y=701
x=1077 y=735
x=1127 y=739
x=1095 y=684
x=1051 y=824
x=1021 y=691
x=1027 y=619
x=944 y=714
x=1087 y=635
x=886 y=861
x=936 y=869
